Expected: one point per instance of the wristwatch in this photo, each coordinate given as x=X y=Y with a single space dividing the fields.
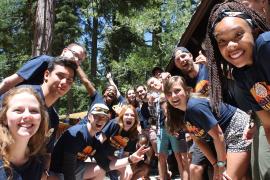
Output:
x=221 y=163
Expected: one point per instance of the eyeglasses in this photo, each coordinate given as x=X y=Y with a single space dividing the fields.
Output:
x=227 y=13
x=76 y=54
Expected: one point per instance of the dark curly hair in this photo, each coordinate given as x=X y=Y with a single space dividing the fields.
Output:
x=218 y=67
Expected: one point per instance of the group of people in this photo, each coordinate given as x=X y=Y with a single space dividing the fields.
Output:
x=206 y=114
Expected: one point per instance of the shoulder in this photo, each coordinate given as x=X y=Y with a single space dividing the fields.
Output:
x=262 y=39
x=78 y=128
x=197 y=102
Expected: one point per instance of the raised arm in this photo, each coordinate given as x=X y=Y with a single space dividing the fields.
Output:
x=10 y=82
x=109 y=77
x=86 y=82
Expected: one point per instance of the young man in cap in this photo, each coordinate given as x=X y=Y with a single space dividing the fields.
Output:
x=80 y=142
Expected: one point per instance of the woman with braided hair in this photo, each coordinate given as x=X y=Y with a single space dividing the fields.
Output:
x=237 y=43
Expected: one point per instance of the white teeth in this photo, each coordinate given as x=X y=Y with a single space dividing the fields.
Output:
x=236 y=54
x=26 y=125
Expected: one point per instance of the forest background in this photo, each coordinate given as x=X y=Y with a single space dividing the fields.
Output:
x=125 y=37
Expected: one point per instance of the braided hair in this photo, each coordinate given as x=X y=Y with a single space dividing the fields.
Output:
x=218 y=67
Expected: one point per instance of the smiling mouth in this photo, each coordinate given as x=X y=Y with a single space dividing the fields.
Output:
x=26 y=126
x=236 y=54
x=176 y=102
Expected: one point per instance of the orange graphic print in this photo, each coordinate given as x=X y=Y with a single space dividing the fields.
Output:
x=202 y=87
x=195 y=130
x=87 y=152
x=119 y=141
x=261 y=92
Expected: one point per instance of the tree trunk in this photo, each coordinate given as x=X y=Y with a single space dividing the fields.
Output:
x=43 y=32
x=94 y=48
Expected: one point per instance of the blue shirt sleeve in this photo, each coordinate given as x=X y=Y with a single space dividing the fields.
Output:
x=200 y=115
x=33 y=70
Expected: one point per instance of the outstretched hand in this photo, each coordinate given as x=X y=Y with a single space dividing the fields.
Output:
x=139 y=154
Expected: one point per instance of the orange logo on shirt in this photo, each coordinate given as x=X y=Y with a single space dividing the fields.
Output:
x=202 y=87
x=119 y=141
x=87 y=152
x=261 y=92
x=194 y=130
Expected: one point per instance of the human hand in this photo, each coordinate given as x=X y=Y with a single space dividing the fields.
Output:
x=249 y=131
x=109 y=75
x=201 y=59
x=139 y=154
x=220 y=173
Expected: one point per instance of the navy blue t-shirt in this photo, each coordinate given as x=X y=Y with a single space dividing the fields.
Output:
x=255 y=80
x=75 y=144
x=200 y=119
x=200 y=82
x=32 y=169
x=53 y=118
x=33 y=70
x=117 y=138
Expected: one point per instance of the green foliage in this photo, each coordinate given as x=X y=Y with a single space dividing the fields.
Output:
x=137 y=58
x=122 y=46
x=16 y=27
x=67 y=24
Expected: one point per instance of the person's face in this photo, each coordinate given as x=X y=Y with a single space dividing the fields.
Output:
x=183 y=61
x=110 y=95
x=155 y=84
x=235 y=41
x=131 y=96
x=128 y=119
x=157 y=73
x=60 y=80
x=141 y=93
x=97 y=121
x=75 y=52
x=177 y=96
x=23 y=116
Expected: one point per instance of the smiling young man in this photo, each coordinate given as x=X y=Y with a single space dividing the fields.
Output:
x=58 y=79
x=32 y=71
x=80 y=142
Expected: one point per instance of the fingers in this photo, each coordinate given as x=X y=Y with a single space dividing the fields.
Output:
x=201 y=59
x=226 y=176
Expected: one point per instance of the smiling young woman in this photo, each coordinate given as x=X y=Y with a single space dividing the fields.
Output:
x=23 y=128
x=237 y=42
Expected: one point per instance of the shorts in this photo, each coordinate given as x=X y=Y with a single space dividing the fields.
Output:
x=79 y=171
x=198 y=158
x=163 y=140
x=234 y=133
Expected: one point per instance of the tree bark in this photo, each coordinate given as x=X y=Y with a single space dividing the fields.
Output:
x=94 y=48
x=43 y=32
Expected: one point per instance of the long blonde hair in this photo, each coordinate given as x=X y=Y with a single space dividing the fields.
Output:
x=36 y=143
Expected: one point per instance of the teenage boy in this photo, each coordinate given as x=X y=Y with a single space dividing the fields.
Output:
x=32 y=71
x=80 y=142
